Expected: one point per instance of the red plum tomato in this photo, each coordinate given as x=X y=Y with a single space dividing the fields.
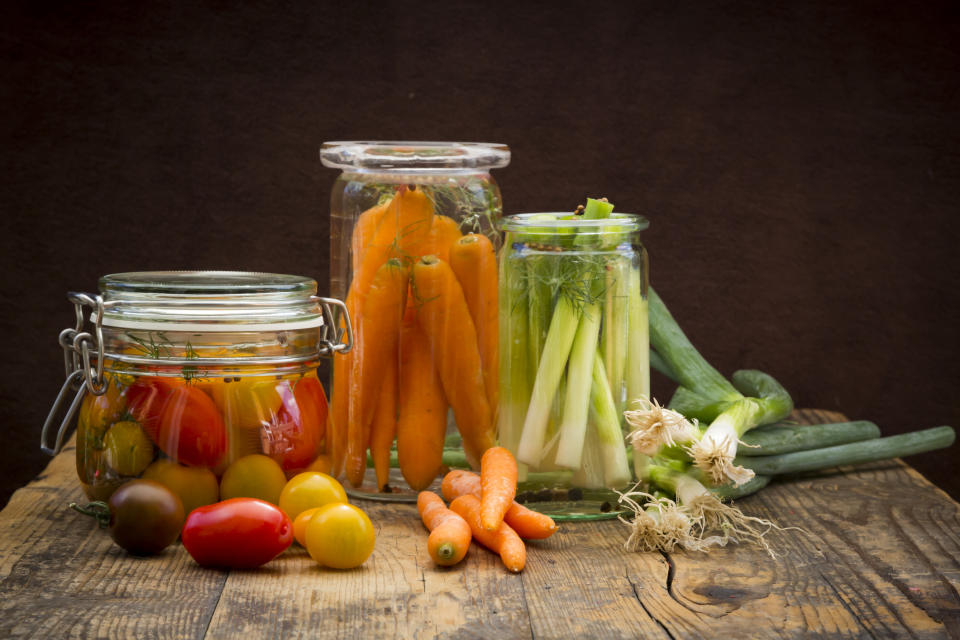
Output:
x=240 y=533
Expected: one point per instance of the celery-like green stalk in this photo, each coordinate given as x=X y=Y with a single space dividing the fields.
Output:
x=596 y=209
x=590 y=474
x=614 y=339
x=638 y=341
x=514 y=380
x=579 y=375
x=556 y=350
x=606 y=419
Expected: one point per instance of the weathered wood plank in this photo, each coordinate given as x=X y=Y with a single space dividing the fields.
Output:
x=60 y=576
x=396 y=593
x=881 y=559
x=856 y=573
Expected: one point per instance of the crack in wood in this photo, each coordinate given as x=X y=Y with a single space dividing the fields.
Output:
x=636 y=594
x=213 y=609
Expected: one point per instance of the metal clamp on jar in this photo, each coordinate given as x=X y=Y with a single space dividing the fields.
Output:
x=195 y=369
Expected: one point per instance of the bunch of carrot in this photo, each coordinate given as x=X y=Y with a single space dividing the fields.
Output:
x=423 y=301
x=482 y=508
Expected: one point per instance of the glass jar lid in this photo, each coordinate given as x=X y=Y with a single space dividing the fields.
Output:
x=402 y=155
x=210 y=301
x=565 y=222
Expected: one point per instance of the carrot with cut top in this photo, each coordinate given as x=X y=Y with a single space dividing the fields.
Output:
x=498 y=486
x=449 y=533
x=365 y=230
x=474 y=262
x=443 y=315
x=383 y=428
x=377 y=337
x=405 y=223
x=503 y=541
x=422 y=420
x=443 y=235
x=529 y=524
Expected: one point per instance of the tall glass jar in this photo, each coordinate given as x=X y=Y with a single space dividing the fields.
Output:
x=181 y=376
x=413 y=253
x=574 y=352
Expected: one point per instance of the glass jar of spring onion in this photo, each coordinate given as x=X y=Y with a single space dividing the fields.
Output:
x=574 y=353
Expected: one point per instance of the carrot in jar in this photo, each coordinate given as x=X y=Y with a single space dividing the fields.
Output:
x=443 y=234
x=443 y=315
x=365 y=230
x=474 y=262
x=383 y=428
x=422 y=422
x=377 y=337
x=339 y=416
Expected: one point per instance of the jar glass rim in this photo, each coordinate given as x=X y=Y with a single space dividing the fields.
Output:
x=205 y=283
x=402 y=155
x=210 y=301
x=546 y=222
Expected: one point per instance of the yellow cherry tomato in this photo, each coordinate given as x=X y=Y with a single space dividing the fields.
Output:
x=300 y=525
x=127 y=449
x=247 y=403
x=321 y=464
x=195 y=486
x=253 y=476
x=340 y=536
x=307 y=490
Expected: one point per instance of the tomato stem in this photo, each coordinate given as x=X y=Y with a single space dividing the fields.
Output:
x=99 y=510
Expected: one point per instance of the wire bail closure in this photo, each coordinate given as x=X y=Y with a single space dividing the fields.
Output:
x=83 y=357
x=83 y=372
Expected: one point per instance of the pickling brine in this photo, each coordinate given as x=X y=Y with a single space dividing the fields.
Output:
x=185 y=376
x=413 y=253
x=574 y=354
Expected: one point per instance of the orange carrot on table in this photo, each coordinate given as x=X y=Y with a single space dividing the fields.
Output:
x=377 y=337
x=498 y=486
x=443 y=315
x=504 y=540
x=422 y=421
x=383 y=427
x=529 y=524
x=449 y=533
x=474 y=262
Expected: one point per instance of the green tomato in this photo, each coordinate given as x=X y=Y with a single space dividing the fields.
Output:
x=253 y=476
x=127 y=449
x=195 y=486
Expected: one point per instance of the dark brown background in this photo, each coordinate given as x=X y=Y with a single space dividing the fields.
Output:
x=800 y=165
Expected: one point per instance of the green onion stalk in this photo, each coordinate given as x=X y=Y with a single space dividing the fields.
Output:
x=730 y=408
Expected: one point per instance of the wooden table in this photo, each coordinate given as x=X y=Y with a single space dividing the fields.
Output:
x=882 y=559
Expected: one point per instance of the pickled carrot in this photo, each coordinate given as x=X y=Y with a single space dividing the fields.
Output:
x=422 y=422
x=383 y=428
x=443 y=315
x=376 y=340
x=474 y=262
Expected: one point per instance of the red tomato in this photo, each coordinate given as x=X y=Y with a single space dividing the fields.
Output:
x=240 y=533
x=191 y=429
x=294 y=434
x=146 y=399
